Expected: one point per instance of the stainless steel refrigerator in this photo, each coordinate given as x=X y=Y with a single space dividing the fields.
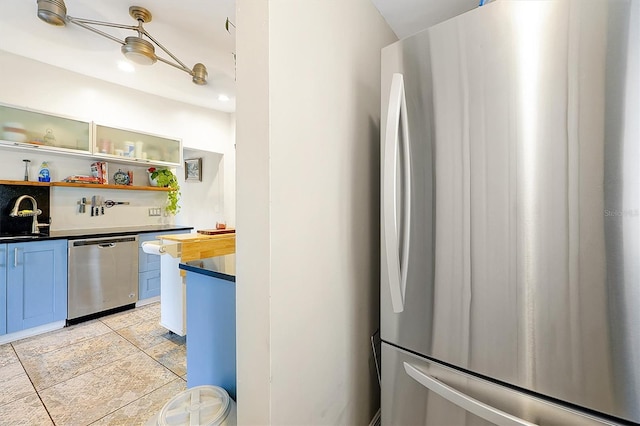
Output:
x=510 y=235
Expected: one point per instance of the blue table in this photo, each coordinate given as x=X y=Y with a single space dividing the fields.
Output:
x=211 y=322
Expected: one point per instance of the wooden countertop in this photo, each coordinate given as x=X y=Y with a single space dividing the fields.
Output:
x=195 y=238
x=201 y=246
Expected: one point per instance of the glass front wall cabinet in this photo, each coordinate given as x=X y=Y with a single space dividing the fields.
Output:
x=132 y=146
x=23 y=128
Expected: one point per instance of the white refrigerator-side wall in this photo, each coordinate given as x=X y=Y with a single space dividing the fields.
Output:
x=308 y=117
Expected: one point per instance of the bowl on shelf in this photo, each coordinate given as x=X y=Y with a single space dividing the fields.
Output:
x=14 y=132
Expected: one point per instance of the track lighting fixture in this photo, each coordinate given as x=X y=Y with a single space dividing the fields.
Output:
x=135 y=48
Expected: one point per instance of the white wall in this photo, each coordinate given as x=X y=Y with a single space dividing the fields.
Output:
x=229 y=174
x=35 y=85
x=253 y=235
x=205 y=198
x=308 y=223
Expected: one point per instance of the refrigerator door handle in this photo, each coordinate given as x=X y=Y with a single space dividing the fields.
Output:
x=463 y=401
x=396 y=121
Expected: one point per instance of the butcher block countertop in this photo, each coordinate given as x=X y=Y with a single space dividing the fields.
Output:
x=200 y=246
x=197 y=237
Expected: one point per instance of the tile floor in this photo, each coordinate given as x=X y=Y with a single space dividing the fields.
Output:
x=116 y=370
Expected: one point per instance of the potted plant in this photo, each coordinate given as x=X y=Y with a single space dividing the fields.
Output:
x=165 y=178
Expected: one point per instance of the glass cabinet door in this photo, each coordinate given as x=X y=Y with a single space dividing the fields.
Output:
x=129 y=145
x=25 y=128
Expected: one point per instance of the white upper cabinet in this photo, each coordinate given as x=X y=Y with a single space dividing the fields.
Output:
x=31 y=129
x=27 y=129
x=131 y=146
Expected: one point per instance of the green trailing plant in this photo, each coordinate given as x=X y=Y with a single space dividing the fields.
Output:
x=165 y=178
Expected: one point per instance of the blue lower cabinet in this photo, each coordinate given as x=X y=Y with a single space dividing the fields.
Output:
x=149 y=284
x=146 y=261
x=3 y=289
x=149 y=266
x=36 y=283
x=211 y=337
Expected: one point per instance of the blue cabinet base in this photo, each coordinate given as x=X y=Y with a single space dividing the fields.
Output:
x=211 y=337
x=36 y=284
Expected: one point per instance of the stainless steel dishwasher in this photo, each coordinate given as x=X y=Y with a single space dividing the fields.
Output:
x=103 y=275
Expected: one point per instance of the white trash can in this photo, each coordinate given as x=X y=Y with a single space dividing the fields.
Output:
x=200 y=405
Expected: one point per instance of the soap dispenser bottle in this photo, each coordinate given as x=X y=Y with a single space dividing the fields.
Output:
x=43 y=174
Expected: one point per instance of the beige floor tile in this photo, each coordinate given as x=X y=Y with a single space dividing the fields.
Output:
x=151 y=310
x=7 y=355
x=91 y=396
x=145 y=334
x=122 y=319
x=63 y=364
x=89 y=373
x=14 y=383
x=25 y=411
x=135 y=316
x=141 y=410
x=171 y=355
x=180 y=340
x=58 y=339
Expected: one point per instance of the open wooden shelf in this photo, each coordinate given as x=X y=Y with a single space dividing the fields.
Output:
x=83 y=185
x=125 y=187
x=23 y=182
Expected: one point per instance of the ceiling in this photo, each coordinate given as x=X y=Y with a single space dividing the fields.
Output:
x=193 y=30
x=407 y=17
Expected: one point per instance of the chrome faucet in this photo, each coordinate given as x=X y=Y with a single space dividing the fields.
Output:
x=22 y=213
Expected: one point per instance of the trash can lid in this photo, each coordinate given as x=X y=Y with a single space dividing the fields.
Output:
x=200 y=405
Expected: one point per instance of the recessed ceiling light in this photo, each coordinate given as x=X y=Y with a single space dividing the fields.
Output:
x=126 y=66
x=223 y=98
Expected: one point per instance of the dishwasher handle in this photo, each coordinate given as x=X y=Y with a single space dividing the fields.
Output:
x=107 y=245
x=103 y=241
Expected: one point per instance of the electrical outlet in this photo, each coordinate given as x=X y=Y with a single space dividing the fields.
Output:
x=155 y=211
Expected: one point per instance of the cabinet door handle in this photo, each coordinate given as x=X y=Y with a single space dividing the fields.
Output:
x=463 y=401
x=15 y=257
